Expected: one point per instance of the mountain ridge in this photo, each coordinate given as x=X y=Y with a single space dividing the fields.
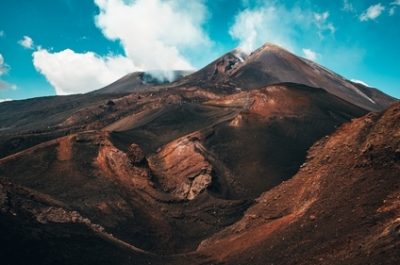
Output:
x=228 y=165
x=272 y=64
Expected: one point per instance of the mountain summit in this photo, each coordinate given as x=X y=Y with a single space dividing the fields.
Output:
x=271 y=64
x=260 y=158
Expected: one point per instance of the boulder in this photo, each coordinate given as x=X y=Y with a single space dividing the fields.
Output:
x=135 y=154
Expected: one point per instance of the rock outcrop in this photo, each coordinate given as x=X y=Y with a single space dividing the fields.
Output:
x=181 y=168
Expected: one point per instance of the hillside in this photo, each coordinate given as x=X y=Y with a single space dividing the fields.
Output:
x=248 y=159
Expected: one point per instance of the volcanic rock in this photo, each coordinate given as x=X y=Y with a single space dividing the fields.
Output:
x=135 y=154
x=261 y=158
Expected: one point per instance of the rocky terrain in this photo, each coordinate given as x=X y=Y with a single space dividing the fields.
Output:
x=342 y=207
x=264 y=158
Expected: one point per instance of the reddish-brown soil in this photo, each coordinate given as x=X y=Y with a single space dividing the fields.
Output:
x=200 y=171
x=342 y=207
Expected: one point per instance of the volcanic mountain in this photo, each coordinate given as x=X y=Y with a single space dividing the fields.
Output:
x=200 y=170
x=271 y=64
x=140 y=81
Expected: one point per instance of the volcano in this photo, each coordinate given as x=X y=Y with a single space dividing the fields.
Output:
x=272 y=64
x=245 y=161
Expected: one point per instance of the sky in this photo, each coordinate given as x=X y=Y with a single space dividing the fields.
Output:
x=60 y=47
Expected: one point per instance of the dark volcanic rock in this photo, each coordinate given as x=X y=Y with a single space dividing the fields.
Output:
x=199 y=171
x=345 y=211
x=135 y=154
x=271 y=64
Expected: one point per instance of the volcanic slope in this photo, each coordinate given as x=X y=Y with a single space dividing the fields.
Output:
x=29 y=122
x=140 y=81
x=37 y=229
x=25 y=123
x=174 y=171
x=168 y=171
x=342 y=207
x=272 y=64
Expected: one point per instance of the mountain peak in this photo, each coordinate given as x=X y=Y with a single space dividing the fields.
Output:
x=272 y=64
x=265 y=48
x=270 y=47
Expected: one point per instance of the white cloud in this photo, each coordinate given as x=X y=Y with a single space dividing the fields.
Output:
x=393 y=7
x=321 y=20
x=372 y=12
x=321 y=17
x=310 y=54
x=5 y=99
x=5 y=85
x=70 y=72
x=359 y=82
x=3 y=66
x=347 y=6
x=254 y=27
x=155 y=33
x=26 y=42
x=275 y=23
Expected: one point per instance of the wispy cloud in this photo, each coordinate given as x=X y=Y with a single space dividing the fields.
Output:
x=372 y=12
x=2 y=33
x=321 y=20
x=26 y=42
x=253 y=27
x=5 y=100
x=393 y=7
x=348 y=6
x=3 y=66
x=6 y=85
x=273 y=22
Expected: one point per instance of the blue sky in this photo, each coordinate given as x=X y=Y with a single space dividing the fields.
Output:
x=50 y=47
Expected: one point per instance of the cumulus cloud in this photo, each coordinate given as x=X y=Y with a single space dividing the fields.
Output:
x=155 y=36
x=70 y=72
x=26 y=42
x=310 y=54
x=372 y=12
x=277 y=24
x=154 y=33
